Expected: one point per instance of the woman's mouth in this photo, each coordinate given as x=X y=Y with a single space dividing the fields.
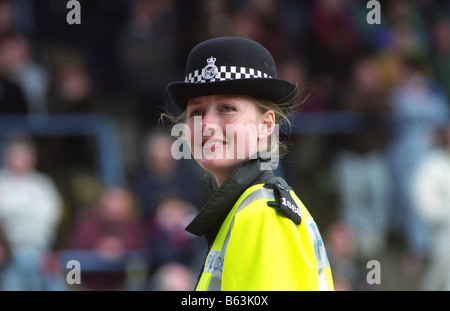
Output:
x=212 y=144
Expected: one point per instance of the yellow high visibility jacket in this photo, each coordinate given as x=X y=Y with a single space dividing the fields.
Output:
x=259 y=248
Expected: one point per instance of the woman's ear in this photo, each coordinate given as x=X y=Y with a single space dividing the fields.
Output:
x=267 y=125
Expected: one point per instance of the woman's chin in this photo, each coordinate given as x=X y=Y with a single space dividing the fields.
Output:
x=218 y=166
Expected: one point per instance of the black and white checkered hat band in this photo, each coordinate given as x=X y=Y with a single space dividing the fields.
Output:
x=226 y=73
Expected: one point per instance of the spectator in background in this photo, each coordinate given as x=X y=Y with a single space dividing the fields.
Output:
x=146 y=50
x=13 y=99
x=8 y=17
x=441 y=52
x=408 y=29
x=258 y=21
x=418 y=106
x=94 y=37
x=172 y=276
x=335 y=37
x=341 y=246
x=110 y=229
x=161 y=173
x=215 y=19
x=30 y=212
x=431 y=189
x=5 y=253
x=17 y=64
x=168 y=240
x=361 y=167
x=72 y=91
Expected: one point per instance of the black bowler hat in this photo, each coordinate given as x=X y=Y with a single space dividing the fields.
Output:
x=231 y=65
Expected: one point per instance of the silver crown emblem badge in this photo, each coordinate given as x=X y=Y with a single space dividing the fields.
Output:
x=210 y=70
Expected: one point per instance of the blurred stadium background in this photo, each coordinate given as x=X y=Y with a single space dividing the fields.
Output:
x=89 y=97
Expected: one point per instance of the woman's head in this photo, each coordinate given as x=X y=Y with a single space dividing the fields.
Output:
x=232 y=96
x=223 y=130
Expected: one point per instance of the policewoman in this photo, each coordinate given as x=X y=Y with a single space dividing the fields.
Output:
x=260 y=235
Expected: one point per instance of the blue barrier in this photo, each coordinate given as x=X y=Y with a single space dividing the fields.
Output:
x=101 y=127
x=93 y=261
x=337 y=122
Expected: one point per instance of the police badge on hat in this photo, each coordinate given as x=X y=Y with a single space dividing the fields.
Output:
x=210 y=70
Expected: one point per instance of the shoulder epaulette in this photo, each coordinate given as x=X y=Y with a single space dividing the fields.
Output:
x=284 y=202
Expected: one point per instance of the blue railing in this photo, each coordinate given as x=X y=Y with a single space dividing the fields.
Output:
x=91 y=260
x=337 y=122
x=101 y=127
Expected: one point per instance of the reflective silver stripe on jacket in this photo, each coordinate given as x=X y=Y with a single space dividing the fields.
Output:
x=215 y=260
x=321 y=254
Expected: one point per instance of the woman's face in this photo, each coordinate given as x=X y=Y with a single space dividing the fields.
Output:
x=232 y=129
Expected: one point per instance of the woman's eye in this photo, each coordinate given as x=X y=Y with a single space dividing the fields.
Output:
x=195 y=113
x=228 y=108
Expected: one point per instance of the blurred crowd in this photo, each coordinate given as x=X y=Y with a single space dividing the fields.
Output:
x=384 y=185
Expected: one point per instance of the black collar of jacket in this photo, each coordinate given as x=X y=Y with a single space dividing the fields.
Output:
x=210 y=218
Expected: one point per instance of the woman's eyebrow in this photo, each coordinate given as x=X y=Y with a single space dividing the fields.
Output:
x=218 y=100
x=193 y=104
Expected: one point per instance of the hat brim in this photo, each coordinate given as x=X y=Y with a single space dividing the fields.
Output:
x=275 y=90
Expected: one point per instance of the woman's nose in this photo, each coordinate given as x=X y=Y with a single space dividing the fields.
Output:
x=209 y=121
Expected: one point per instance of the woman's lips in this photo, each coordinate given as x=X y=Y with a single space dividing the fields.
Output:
x=212 y=143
